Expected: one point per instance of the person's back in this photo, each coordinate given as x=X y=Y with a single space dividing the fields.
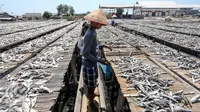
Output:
x=112 y=22
x=89 y=53
x=84 y=29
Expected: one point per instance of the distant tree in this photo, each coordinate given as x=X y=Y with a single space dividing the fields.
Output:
x=120 y=11
x=47 y=15
x=65 y=9
x=88 y=12
x=71 y=10
x=60 y=9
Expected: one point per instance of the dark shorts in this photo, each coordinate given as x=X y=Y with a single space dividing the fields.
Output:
x=90 y=76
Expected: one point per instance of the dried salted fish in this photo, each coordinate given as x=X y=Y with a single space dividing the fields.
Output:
x=43 y=89
x=31 y=75
x=7 y=39
x=12 y=27
x=195 y=99
x=24 y=86
x=179 y=39
x=165 y=53
x=151 y=89
x=195 y=75
x=28 y=103
x=175 y=108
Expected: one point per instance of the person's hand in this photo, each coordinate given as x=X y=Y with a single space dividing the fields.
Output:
x=104 y=61
x=109 y=48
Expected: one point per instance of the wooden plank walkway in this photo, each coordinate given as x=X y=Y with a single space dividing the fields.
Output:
x=81 y=98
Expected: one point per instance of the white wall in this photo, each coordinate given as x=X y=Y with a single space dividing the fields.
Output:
x=159 y=12
x=172 y=12
x=33 y=15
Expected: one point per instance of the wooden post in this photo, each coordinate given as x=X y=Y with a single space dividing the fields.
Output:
x=73 y=68
x=120 y=101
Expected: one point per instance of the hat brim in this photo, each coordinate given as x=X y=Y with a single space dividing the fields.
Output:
x=90 y=19
x=97 y=16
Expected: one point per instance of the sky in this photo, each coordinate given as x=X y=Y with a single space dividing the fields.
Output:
x=19 y=7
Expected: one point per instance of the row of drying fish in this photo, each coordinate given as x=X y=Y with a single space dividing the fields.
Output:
x=22 y=89
x=165 y=53
x=111 y=39
x=187 y=29
x=186 y=25
x=18 y=54
x=152 y=95
x=191 y=42
x=195 y=75
x=8 y=39
x=12 y=27
x=183 y=30
x=184 y=61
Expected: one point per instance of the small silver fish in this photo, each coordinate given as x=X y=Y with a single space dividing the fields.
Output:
x=195 y=99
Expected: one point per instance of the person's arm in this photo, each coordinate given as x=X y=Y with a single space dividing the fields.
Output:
x=88 y=41
x=104 y=46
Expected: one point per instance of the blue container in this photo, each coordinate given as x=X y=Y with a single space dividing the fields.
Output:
x=107 y=70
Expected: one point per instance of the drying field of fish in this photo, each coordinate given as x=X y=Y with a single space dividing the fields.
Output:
x=14 y=37
x=186 y=30
x=32 y=72
x=22 y=26
x=13 y=57
x=191 y=42
x=154 y=77
x=37 y=66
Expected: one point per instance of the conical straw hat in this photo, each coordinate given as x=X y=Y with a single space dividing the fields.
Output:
x=114 y=16
x=97 y=16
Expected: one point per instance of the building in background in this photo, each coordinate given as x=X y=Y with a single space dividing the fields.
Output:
x=6 y=17
x=152 y=8
x=156 y=8
x=32 y=16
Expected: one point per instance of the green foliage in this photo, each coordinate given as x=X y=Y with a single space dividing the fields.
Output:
x=69 y=18
x=60 y=9
x=88 y=12
x=64 y=9
x=120 y=11
x=47 y=15
x=71 y=10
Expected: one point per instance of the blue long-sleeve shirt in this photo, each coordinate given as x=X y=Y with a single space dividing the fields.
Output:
x=90 y=48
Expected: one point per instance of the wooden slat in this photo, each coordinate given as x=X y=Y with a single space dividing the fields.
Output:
x=84 y=100
x=120 y=101
x=122 y=53
x=78 y=102
x=101 y=92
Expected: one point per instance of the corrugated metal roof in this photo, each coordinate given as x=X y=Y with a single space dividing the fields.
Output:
x=118 y=6
x=157 y=4
x=150 y=4
x=188 y=6
x=6 y=18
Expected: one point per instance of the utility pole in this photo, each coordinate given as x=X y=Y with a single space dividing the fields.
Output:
x=0 y=7
x=33 y=14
